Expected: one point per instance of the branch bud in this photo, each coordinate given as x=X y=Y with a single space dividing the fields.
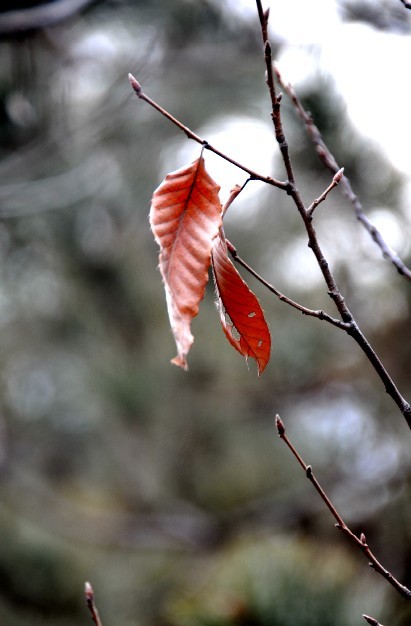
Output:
x=280 y=426
x=135 y=84
x=89 y=594
x=337 y=178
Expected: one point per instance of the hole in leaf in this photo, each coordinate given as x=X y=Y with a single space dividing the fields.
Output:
x=252 y=314
x=260 y=343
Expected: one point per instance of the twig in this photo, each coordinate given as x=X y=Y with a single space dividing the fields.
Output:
x=333 y=290
x=336 y=180
x=304 y=310
x=371 y=620
x=89 y=595
x=275 y=100
x=191 y=135
x=406 y=3
x=361 y=541
x=329 y=161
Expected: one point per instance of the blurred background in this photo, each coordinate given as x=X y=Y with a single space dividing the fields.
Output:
x=170 y=491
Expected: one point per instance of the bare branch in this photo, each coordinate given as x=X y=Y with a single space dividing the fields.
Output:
x=275 y=100
x=329 y=161
x=89 y=595
x=361 y=541
x=333 y=290
x=191 y=135
x=335 y=182
x=312 y=313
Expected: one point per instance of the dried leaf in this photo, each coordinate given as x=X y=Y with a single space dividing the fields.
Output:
x=236 y=300
x=185 y=217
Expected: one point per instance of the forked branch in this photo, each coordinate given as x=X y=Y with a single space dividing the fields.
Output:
x=361 y=541
x=306 y=214
x=348 y=322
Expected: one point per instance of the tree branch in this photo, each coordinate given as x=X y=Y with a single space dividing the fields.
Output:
x=333 y=290
x=336 y=180
x=361 y=541
x=203 y=142
x=312 y=313
x=275 y=100
x=329 y=161
x=291 y=189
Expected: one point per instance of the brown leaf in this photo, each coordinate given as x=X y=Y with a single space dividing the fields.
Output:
x=236 y=300
x=185 y=217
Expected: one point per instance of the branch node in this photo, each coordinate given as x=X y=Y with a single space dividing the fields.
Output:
x=309 y=471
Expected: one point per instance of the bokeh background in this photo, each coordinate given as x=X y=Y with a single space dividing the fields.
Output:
x=170 y=491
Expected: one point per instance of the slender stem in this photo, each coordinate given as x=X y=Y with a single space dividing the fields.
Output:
x=275 y=100
x=207 y=146
x=304 y=310
x=361 y=541
x=335 y=182
x=89 y=595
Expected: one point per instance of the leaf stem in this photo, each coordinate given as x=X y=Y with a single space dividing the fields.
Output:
x=361 y=541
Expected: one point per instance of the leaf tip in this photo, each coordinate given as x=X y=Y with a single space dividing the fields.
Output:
x=180 y=361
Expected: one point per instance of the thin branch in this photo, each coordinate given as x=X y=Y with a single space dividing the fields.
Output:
x=371 y=620
x=406 y=3
x=333 y=290
x=329 y=161
x=336 y=180
x=304 y=310
x=275 y=100
x=361 y=541
x=89 y=595
x=191 y=135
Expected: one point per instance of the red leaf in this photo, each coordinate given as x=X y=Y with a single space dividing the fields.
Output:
x=237 y=301
x=185 y=217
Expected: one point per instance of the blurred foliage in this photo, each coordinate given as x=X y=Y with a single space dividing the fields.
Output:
x=115 y=466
